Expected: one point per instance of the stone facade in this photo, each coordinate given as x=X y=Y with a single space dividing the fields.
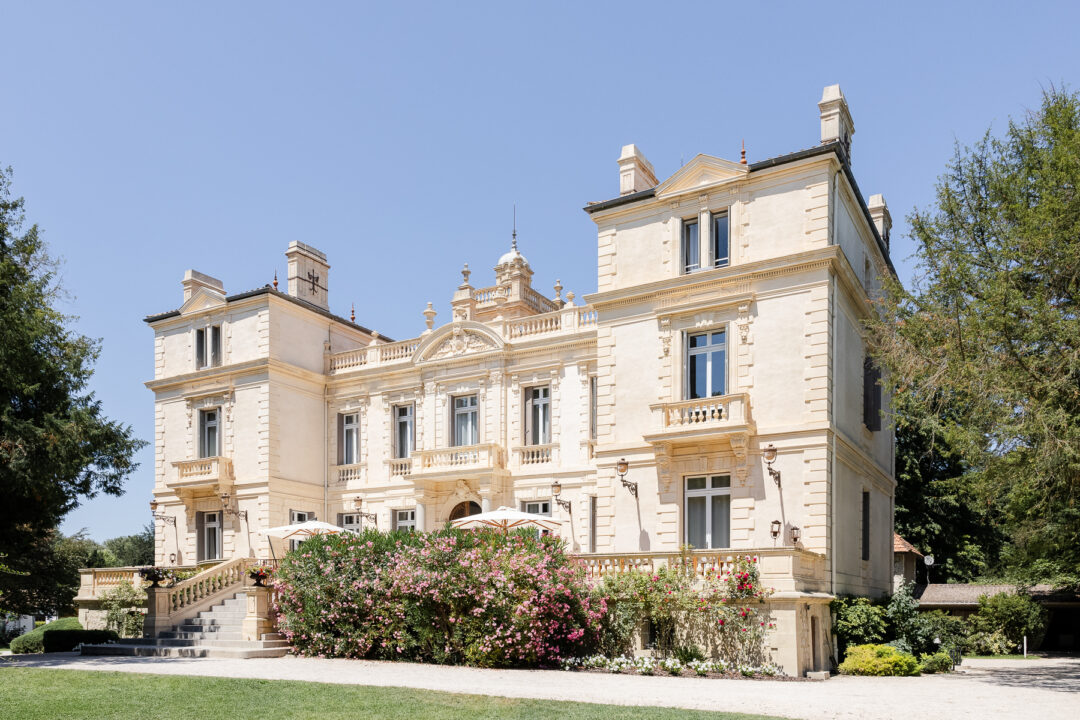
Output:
x=727 y=319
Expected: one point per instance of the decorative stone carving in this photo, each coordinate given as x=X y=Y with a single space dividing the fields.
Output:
x=743 y=322
x=665 y=335
x=460 y=343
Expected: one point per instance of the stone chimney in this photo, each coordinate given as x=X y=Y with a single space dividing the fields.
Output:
x=193 y=280
x=635 y=172
x=836 y=124
x=879 y=213
x=309 y=274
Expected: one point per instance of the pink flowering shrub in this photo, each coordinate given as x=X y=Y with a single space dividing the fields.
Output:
x=455 y=597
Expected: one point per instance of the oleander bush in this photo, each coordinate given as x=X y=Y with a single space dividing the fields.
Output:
x=878 y=660
x=456 y=597
x=34 y=641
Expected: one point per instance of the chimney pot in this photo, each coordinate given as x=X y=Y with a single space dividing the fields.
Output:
x=309 y=274
x=879 y=213
x=635 y=171
x=836 y=123
x=193 y=280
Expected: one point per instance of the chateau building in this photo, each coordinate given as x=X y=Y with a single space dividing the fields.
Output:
x=721 y=359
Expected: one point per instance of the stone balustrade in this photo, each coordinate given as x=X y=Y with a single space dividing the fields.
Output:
x=167 y=606
x=535 y=454
x=486 y=456
x=400 y=467
x=94 y=581
x=786 y=569
x=213 y=473
x=350 y=473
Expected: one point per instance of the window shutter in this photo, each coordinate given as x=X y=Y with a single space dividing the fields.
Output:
x=865 y=525
x=341 y=519
x=215 y=345
x=200 y=537
x=200 y=348
x=340 y=439
x=871 y=396
x=528 y=439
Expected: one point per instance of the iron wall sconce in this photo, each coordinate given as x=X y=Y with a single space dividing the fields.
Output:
x=622 y=467
x=774 y=529
x=769 y=453
x=556 y=489
x=167 y=519
x=226 y=505
x=357 y=503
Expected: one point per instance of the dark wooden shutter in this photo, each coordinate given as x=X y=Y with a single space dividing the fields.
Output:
x=215 y=345
x=200 y=348
x=865 y=525
x=871 y=396
x=340 y=439
x=200 y=536
x=528 y=439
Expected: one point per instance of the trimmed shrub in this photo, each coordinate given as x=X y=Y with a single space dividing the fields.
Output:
x=1012 y=615
x=858 y=621
x=34 y=641
x=939 y=662
x=878 y=660
x=457 y=597
x=68 y=640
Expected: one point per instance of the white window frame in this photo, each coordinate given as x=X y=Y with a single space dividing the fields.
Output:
x=706 y=350
x=298 y=516
x=407 y=419
x=350 y=438
x=715 y=261
x=538 y=408
x=211 y=355
x=351 y=522
x=409 y=521
x=684 y=260
x=204 y=427
x=455 y=411
x=212 y=528
x=708 y=492
x=543 y=507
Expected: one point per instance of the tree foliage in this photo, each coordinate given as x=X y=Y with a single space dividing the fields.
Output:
x=985 y=348
x=133 y=550
x=56 y=446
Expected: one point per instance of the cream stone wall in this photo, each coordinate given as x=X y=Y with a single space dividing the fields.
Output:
x=804 y=265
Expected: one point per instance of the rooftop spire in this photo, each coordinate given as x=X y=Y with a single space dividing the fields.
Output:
x=513 y=235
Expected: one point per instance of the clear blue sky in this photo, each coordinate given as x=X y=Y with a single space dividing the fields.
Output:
x=148 y=138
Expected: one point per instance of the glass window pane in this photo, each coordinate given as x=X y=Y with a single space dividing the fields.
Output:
x=698 y=376
x=211 y=441
x=690 y=246
x=721 y=482
x=698 y=340
x=695 y=522
x=718 y=379
x=720 y=240
x=718 y=338
x=721 y=521
x=695 y=483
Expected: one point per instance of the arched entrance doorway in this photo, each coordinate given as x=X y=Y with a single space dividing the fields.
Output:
x=464 y=509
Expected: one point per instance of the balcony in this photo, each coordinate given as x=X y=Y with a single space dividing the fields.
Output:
x=529 y=455
x=463 y=461
x=350 y=473
x=205 y=476
x=687 y=422
x=782 y=569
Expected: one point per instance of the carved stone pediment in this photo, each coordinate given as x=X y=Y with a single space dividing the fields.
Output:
x=702 y=172
x=460 y=343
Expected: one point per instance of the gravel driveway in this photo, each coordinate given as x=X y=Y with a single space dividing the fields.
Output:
x=1043 y=689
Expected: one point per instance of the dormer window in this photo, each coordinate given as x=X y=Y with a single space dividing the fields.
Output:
x=691 y=250
x=208 y=347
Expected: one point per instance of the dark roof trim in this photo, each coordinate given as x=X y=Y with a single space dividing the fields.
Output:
x=836 y=148
x=268 y=290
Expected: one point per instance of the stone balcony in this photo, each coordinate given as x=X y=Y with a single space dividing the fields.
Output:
x=527 y=456
x=463 y=461
x=202 y=477
x=785 y=570
x=689 y=422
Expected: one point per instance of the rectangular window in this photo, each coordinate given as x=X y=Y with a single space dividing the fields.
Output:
x=208 y=347
x=720 y=246
x=405 y=520
x=592 y=407
x=351 y=522
x=539 y=507
x=708 y=512
x=208 y=433
x=592 y=523
x=348 y=438
x=706 y=365
x=212 y=535
x=404 y=431
x=466 y=420
x=691 y=249
x=865 y=525
x=538 y=415
x=295 y=517
x=871 y=395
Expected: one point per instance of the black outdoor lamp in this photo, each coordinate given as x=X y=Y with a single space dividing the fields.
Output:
x=774 y=529
x=796 y=534
x=167 y=519
x=769 y=453
x=556 y=488
x=229 y=509
x=357 y=503
x=622 y=467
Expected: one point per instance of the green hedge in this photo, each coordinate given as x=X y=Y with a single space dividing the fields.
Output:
x=68 y=640
x=34 y=641
x=878 y=660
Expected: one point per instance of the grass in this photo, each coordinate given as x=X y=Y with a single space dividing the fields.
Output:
x=43 y=694
x=1030 y=656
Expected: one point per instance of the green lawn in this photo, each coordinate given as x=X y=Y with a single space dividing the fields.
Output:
x=40 y=694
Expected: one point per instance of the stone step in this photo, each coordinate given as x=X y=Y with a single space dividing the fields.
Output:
x=219 y=635
x=214 y=622
x=198 y=651
x=181 y=642
x=219 y=615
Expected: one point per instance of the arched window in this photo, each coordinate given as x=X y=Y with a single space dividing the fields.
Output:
x=464 y=509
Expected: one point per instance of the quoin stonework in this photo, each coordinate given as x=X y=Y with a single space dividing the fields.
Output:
x=722 y=356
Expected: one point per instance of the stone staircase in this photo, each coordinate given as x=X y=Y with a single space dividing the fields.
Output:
x=213 y=633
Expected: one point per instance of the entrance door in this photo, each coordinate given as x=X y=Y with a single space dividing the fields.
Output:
x=814 y=643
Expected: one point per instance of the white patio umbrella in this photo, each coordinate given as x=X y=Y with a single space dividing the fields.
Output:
x=506 y=519
x=300 y=530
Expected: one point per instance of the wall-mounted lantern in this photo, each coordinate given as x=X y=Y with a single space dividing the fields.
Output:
x=622 y=467
x=774 y=529
x=357 y=503
x=796 y=535
x=769 y=454
x=556 y=489
x=167 y=519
